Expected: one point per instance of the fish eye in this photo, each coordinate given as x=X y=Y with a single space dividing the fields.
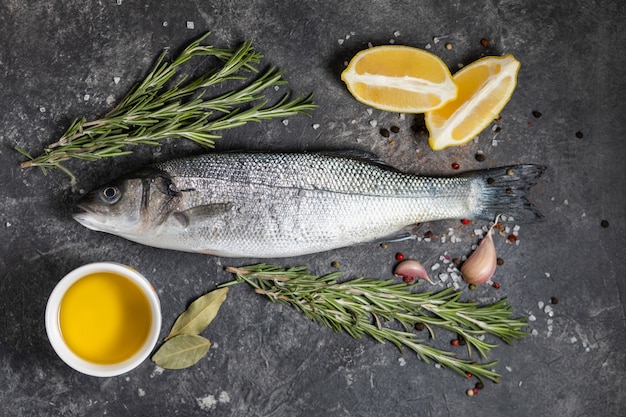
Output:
x=111 y=194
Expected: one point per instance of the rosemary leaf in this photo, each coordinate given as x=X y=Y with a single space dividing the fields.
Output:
x=154 y=110
x=357 y=307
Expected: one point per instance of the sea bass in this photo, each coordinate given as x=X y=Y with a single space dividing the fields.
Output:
x=270 y=205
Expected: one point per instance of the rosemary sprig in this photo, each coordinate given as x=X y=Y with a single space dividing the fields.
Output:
x=362 y=306
x=152 y=112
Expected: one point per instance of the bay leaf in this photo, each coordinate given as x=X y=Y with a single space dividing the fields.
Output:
x=181 y=351
x=199 y=314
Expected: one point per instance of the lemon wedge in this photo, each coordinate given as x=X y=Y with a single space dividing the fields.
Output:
x=484 y=88
x=399 y=79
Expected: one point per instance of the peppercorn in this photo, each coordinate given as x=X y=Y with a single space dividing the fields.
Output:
x=490 y=180
x=399 y=256
x=536 y=114
x=334 y=264
x=554 y=300
x=500 y=261
x=455 y=165
x=497 y=129
x=395 y=129
x=470 y=392
x=511 y=238
x=484 y=42
x=469 y=374
x=456 y=261
x=465 y=221
x=384 y=245
x=509 y=191
x=604 y=223
x=462 y=341
x=480 y=157
x=496 y=285
x=420 y=326
x=579 y=134
x=408 y=280
x=428 y=234
x=472 y=287
x=454 y=342
x=475 y=390
x=479 y=385
x=448 y=46
x=384 y=132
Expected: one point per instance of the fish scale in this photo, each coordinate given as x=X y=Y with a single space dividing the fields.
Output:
x=268 y=205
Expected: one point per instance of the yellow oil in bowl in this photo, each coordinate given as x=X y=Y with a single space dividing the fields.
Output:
x=105 y=318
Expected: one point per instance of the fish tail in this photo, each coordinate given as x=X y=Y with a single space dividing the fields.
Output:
x=503 y=192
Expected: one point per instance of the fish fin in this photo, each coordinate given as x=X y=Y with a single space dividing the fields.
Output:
x=503 y=192
x=201 y=213
x=362 y=155
x=406 y=233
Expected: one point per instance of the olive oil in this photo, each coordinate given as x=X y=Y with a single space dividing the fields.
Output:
x=104 y=318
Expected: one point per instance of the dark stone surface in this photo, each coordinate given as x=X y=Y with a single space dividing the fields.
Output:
x=267 y=360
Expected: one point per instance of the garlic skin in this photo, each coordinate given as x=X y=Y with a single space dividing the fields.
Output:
x=412 y=269
x=481 y=264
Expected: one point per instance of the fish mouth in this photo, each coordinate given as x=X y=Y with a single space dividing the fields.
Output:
x=85 y=216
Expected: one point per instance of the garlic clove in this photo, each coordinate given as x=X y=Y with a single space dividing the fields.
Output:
x=481 y=264
x=412 y=269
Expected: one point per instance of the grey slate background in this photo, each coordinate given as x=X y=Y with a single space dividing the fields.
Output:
x=267 y=360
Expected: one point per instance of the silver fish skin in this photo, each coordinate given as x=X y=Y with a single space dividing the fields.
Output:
x=271 y=205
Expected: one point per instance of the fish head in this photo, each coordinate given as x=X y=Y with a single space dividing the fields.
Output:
x=134 y=206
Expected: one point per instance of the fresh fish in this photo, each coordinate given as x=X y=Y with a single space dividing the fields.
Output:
x=269 y=205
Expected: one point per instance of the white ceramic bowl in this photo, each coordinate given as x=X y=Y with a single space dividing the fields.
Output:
x=54 y=331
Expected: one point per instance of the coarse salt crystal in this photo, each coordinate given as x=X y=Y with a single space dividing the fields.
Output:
x=276 y=87
x=42 y=109
x=438 y=366
x=401 y=361
x=547 y=275
x=566 y=202
x=540 y=304
x=532 y=318
x=285 y=122
x=373 y=123
x=369 y=111
x=547 y=309
x=190 y=24
x=392 y=41
x=118 y=2
x=396 y=33
x=443 y=239
x=428 y=46
x=116 y=80
x=459 y=65
x=340 y=41
x=443 y=277
x=370 y=45
x=516 y=228
x=315 y=126
x=402 y=116
x=494 y=143
x=86 y=97
x=534 y=332
x=165 y=24
x=435 y=267
x=347 y=36
x=427 y=239
x=508 y=368
x=573 y=339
